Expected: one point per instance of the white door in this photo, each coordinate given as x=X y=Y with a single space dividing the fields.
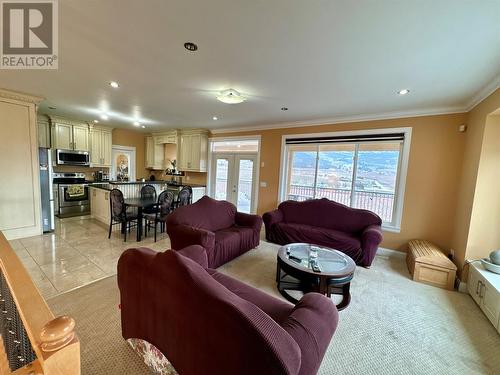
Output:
x=234 y=179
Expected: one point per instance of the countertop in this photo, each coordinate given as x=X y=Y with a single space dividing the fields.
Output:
x=109 y=185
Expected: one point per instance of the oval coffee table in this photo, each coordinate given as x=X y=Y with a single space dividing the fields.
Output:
x=295 y=272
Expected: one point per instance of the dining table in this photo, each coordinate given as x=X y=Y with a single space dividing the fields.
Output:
x=140 y=204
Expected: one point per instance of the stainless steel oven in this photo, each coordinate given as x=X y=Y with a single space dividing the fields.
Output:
x=70 y=157
x=73 y=194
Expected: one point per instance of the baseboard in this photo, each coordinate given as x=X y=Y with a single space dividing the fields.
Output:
x=390 y=253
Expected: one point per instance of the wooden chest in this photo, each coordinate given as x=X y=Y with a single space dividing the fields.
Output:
x=428 y=264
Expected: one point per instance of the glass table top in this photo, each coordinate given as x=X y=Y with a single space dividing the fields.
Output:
x=305 y=255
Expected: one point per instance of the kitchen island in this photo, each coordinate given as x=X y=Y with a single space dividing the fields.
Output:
x=99 y=194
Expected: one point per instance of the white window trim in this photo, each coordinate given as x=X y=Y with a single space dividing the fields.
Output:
x=257 y=172
x=403 y=167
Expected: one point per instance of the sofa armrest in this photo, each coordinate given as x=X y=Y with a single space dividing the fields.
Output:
x=196 y=253
x=182 y=236
x=247 y=220
x=370 y=239
x=311 y=324
x=272 y=217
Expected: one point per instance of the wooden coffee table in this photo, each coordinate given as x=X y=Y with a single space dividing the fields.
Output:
x=295 y=272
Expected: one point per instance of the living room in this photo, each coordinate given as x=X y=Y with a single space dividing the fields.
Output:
x=312 y=175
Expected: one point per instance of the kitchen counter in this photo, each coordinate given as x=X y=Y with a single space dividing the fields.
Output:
x=109 y=185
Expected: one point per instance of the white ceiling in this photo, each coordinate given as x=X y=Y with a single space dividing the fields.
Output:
x=323 y=59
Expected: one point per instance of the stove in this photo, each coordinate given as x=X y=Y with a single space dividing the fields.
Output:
x=73 y=198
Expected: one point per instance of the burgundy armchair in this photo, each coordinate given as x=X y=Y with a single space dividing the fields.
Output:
x=216 y=226
x=208 y=323
x=323 y=222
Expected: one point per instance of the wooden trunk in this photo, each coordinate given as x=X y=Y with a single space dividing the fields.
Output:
x=428 y=264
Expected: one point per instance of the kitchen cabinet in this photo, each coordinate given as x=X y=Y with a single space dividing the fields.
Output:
x=155 y=154
x=100 y=146
x=193 y=152
x=43 y=131
x=165 y=137
x=99 y=205
x=484 y=288
x=69 y=135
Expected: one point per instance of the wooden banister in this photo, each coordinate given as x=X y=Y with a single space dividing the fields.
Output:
x=53 y=340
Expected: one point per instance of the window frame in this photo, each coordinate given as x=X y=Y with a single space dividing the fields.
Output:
x=395 y=225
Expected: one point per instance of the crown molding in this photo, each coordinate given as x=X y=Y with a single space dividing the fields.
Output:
x=20 y=96
x=67 y=121
x=483 y=93
x=343 y=120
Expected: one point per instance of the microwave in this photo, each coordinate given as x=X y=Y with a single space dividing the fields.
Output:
x=70 y=157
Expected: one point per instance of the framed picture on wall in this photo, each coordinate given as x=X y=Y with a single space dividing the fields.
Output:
x=123 y=163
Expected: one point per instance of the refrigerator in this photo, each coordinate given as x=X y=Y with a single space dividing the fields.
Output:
x=46 y=192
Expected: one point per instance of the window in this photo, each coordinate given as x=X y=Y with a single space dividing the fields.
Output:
x=359 y=169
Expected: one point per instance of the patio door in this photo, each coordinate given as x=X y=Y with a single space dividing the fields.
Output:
x=234 y=179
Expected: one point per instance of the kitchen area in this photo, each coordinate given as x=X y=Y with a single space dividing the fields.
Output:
x=80 y=165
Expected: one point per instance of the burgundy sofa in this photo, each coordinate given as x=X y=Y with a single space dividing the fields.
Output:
x=215 y=225
x=355 y=232
x=207 y=323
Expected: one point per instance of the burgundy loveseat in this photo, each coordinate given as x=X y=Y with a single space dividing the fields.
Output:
x=215 y=225
x=207 y=323
x=355 y=232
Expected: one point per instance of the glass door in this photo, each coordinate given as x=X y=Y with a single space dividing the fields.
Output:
x=234 y=179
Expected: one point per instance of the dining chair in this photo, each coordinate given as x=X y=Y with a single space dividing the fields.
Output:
x=148 y=191
x=163 y=208
x=185 y=196
x=119 y=213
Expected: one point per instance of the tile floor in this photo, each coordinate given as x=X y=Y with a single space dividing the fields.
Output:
x=76 y=254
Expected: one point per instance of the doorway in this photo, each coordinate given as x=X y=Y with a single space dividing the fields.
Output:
x=233 y=173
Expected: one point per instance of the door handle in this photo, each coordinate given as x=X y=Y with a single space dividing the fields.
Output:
x=483 y=287
x=477 y=287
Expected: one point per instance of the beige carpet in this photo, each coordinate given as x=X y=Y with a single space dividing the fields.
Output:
x=393 y=325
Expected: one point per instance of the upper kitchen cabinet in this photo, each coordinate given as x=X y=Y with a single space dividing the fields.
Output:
x=193 y=151
x=69 y=135
x=43 y=131
x=100 y=146
x=155 y=154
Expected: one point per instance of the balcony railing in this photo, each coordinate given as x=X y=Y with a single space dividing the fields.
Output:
x=380 y=203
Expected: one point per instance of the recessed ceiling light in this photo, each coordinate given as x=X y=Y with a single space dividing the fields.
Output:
x=104 y=116
x=137 y=123
x=284 y=108
x=215 y=118
x=190 y=46
x=230 y=96
x=403 y=92
x=143 y=127
x=96 y=121
x=114 y=84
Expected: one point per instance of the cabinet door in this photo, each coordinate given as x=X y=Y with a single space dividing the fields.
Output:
x=490 y=302
x=185 y=153
x=106 y=148
x=80 y=138
x=159 y=156
x=63 y=136
x=43 y=134
x=473 y=284
x=149 y=152
x=95 y=150
x=195 y=152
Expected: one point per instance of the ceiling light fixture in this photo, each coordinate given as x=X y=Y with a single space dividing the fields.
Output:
x=215 y=118
x=104 y=116
x=403 y=92
x=143 y=127
x=137 y=123
x=114 y=84
x=230 y=96
x=284 y=108
x=190 y=46
x=96 y=121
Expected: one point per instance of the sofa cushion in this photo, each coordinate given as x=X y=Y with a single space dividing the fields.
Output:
x=328 y=214
x=277 y=309
x=331 y=238
x=227 y=247
x=207 y=213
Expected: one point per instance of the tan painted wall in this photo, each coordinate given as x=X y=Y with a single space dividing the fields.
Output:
x=484 y=231
x=131 y=138
x=433 y=173
x=476 y=122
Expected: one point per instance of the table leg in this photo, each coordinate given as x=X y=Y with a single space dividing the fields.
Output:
x=139 y=223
